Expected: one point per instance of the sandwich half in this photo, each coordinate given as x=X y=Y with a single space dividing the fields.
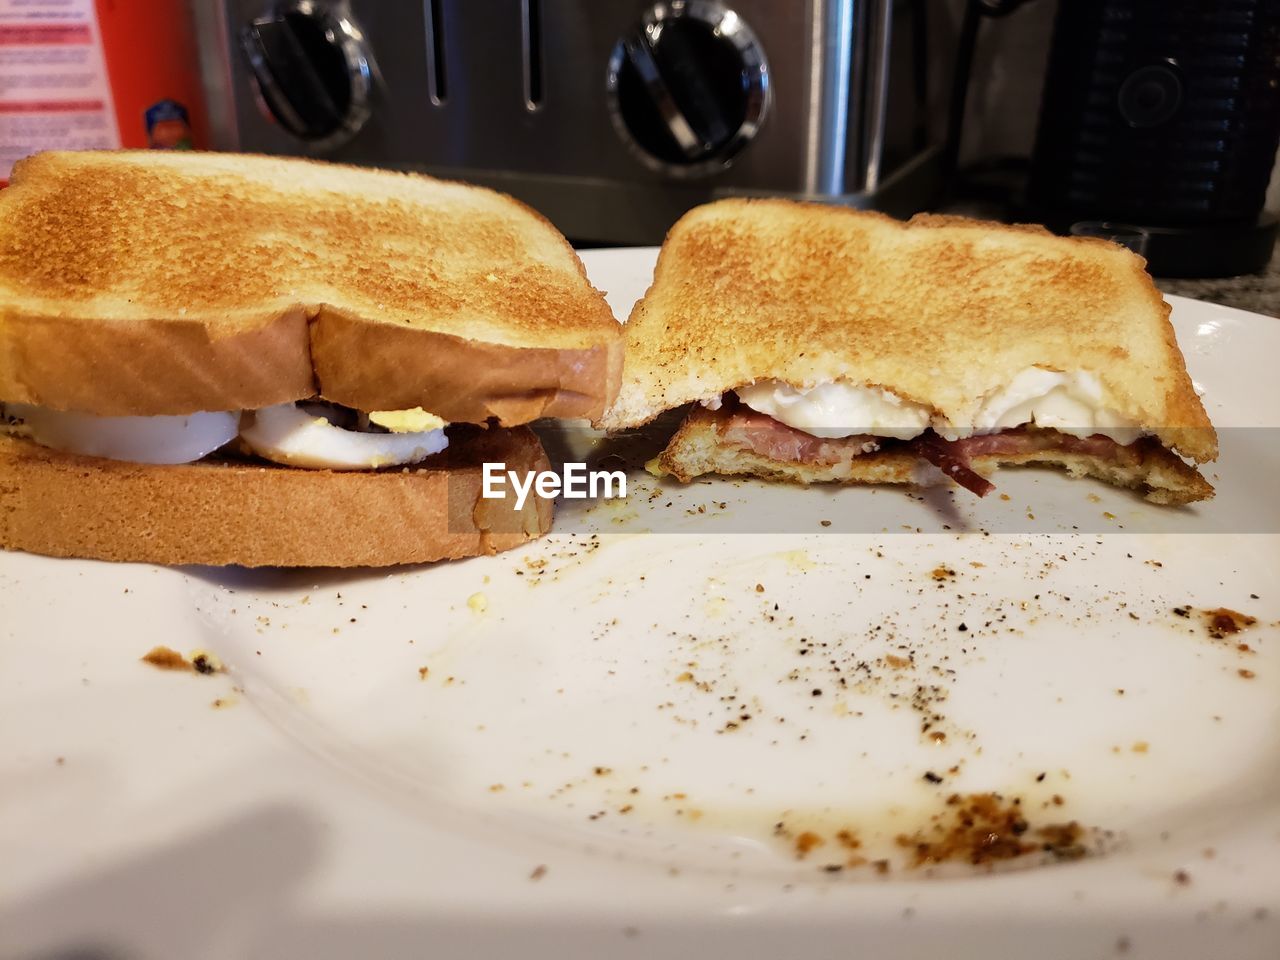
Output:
x=216 y=358
x=824 y=344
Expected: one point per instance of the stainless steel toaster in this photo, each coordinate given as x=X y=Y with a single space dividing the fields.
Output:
x=612 y=117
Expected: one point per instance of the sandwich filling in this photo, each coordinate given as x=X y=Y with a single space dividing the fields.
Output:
x=1067 y=402
x=137 y=439
x=309 y=435
x=835 y=421
x=838 y=409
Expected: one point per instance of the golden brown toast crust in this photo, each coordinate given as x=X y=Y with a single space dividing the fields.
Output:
x=154 y=366
x=252 y=514
x=699 y=448
x=187 y=282
x=456 y=378
x=940 y=310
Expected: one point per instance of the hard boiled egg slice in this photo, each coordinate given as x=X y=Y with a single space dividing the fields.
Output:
x=298 y=438
x=180 y=439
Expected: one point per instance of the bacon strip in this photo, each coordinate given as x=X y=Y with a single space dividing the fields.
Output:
x=953 y=460
x=771 y=438
x=755 y=431
x=1019 y=440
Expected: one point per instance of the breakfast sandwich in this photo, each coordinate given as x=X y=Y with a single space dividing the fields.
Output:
x=821 y=344
x=224 y=359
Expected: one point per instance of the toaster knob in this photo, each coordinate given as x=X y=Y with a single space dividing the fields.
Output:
x=312 y=69
x=688 y=87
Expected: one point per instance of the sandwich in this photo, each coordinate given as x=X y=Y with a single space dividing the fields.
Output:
x=222 y=359
x=821 y=344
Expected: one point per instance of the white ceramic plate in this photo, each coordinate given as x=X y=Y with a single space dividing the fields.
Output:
x=585 y=748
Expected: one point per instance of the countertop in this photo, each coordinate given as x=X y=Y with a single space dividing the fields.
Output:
x=1257 y=292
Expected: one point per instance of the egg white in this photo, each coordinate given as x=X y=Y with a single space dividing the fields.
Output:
x=290 y=435
x=162 y=439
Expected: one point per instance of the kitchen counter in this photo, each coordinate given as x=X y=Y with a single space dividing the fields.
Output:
x=1257 y=292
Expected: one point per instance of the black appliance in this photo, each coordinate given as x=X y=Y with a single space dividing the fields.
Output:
x=1160 y=122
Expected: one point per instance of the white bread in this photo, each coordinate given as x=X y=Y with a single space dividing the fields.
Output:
x=151 y=282
x=699 y=448
x=252 y=514
x=941 y=311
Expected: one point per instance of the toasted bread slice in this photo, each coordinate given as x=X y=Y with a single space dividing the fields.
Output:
x=941 y=311
x=233 y=512
x=701 y=447
x=150 y=282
